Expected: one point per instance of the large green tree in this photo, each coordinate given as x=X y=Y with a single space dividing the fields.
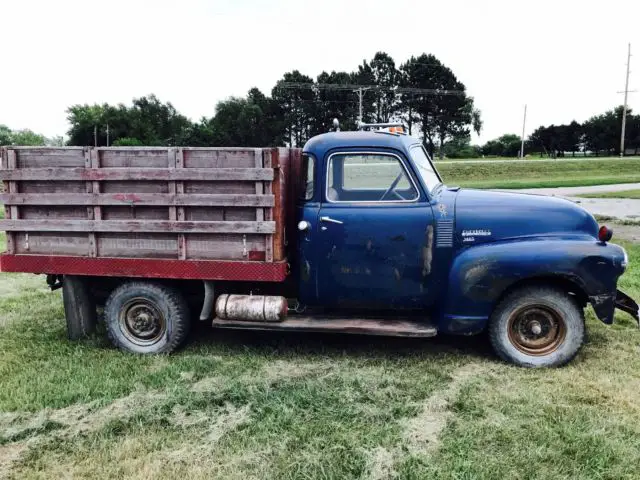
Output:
x=23 y=137
x=298 y=105
x=148 y=120
x=442 y=117
x=386 y=78
x=246 y=122
x=507 y=145
x=6 y=135
x=335 y=102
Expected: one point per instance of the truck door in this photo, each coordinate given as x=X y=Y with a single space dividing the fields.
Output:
x=374 y=237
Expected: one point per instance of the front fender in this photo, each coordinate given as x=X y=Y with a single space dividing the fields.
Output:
x=480 y=275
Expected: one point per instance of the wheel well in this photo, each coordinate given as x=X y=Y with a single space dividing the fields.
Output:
x=563 y=283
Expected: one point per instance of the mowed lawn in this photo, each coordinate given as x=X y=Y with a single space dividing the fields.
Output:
x=621 y=194
x=540 y=173
x=254 y=406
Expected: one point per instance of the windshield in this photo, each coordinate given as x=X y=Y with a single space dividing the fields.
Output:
x=425 y=167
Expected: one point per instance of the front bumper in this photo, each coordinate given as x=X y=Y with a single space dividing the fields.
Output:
x=625 y=303
x=605 y=306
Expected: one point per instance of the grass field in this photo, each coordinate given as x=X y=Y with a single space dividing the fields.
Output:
x=620 y=194
x=529 y=158
x=541 y=173
x=254 y=405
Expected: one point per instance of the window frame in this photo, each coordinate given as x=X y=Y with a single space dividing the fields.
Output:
x=303 y=193
x=402 y=162
x=433 y=167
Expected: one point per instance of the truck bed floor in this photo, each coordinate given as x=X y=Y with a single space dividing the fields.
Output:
x=364 y=326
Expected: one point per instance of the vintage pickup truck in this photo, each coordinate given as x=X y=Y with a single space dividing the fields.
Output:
x=355 y=233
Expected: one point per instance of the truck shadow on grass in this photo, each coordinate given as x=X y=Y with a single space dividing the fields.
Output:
x=334 y=344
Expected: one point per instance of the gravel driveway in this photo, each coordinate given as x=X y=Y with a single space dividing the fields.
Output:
x=622 y=208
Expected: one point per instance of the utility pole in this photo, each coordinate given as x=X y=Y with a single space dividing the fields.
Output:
x=524 y=122
x=107 y=134
x=361 y=91
x=624 y=108
x=95 y=135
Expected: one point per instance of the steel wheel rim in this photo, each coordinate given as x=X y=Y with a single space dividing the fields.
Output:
x=536 y=330
x=142 y=322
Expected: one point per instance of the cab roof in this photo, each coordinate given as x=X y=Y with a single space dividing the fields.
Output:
x=320 y=144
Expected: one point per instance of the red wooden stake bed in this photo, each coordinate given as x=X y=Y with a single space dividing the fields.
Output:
x=175 y=213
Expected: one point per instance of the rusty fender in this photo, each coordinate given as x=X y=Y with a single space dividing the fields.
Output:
x=480 y=275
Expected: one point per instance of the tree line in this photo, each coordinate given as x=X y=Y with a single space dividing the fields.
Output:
x=422 y=92
x=599 y=135
x=26 y=137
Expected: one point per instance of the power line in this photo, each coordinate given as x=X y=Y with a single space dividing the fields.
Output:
x=361 y=89
x=379 y=88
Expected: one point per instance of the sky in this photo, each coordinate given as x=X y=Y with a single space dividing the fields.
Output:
x=565 y=59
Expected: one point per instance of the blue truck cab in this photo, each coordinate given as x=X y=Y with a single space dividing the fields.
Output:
x=381 y=236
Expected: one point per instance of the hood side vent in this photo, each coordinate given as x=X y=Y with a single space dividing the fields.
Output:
x=444 y=233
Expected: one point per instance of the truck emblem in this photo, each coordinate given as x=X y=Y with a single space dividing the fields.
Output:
x=470 y=235
x=443 y=210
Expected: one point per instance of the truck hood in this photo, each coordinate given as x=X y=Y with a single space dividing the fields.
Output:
x=484 y=216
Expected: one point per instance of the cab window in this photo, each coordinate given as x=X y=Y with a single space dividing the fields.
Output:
x=368 y=177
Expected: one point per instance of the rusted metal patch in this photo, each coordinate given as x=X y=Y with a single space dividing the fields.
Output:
x=427 y=252
x=365 y=326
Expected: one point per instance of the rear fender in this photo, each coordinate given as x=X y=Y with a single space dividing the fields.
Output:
x=480 y=275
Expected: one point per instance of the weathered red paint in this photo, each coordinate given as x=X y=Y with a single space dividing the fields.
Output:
x=146 y=268
x=127 y=197
x=257 y=256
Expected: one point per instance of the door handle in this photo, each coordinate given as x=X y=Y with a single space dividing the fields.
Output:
x=330 y=220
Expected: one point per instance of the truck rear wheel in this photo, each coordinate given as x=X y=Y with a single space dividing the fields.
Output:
x=144 y=317
x=537 y=327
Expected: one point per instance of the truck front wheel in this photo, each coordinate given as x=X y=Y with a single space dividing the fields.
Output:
x=537 y=327
x=144 y=317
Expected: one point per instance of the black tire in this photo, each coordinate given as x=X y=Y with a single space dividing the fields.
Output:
x=537 y=327
x=145 y=317
x=79 y=307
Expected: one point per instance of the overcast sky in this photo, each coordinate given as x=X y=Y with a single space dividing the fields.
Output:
x=564 y=58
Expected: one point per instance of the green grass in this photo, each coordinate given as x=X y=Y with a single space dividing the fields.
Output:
x=541 y=173
x=620 y=194
x=257 y=405
x=531 y=158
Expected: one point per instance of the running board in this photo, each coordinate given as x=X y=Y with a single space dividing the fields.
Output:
x=394 y=328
